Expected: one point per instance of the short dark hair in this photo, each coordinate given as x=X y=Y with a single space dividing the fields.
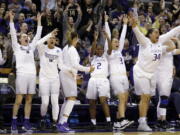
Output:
x=150 y=31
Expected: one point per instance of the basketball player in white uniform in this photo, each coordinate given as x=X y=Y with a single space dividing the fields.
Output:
x=118 y=76
x=98 y=85
x=25 y=71
x=150 y=52
x=164 y=78
x=49 y=83
x=71 y=59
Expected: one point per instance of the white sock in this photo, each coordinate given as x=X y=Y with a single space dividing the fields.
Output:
x=62 y=109
x=67 y=110
x=108 y=119
x=158 y=111
x=55 y=106
x=14 y=117
x=162 y=111
x=44 y=105
x=93 y=121
x=142 y=120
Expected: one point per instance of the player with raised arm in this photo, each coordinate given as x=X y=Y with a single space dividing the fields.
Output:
x=71 y=59
x=98 y=85
x=150 y=52
x=25 y=71
x=50 y=62
x=164 y=78
x=118 y=75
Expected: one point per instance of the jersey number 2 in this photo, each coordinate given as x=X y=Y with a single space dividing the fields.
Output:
x=98 y=65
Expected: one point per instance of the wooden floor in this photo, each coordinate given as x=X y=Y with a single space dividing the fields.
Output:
x=117 y=133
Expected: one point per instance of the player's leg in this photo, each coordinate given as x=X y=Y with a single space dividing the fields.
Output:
x=91 y=95
x=92 y=111
x=28 y=101
x=142 y=88
x=44 y=92
x=105 y=106
x=27 y=112
x=164 y=87
x=62 y=109
x=21 y=89
x=55 y=90
x=70 y=91
x=18 y=101
x=55 y=108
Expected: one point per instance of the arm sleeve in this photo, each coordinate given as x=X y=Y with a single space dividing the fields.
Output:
x=143 y=40
x=163 y=38
x=44 y=39
x=108 y=31
x=75 y=63
x=13 y=35
x=122 y=38
x=37 y=36
x=61 y=65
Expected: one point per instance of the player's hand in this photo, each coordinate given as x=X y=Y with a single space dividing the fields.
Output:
x=175 y=39
x=39 y=15
x=125 y=19
x=92 y=69
x=96 y=34
x=72 y=74
x=54 y=32
x=11 y=16
x=106 y=17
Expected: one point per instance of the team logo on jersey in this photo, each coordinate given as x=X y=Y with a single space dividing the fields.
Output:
x=57 y=51
x=51 y=57
x=25 y=49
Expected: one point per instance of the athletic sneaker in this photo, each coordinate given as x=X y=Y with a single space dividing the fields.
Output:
x=178 y=123
x=144 y=127
x=43 y=124
x=64 y=128
x=27 y=126
x=3 y=131
x=14 y=129
x=92 y=126
x=123 y=124
x=54 y=127
x=165 y=125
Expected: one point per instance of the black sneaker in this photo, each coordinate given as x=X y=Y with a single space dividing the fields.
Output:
x=92 y=126
x=43 y=124
x=177 y=123
x=109 y=125
x=164 y=125
x=54 y=127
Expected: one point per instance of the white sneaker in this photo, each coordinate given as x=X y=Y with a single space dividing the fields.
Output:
x=144 y=127
x=122 y=125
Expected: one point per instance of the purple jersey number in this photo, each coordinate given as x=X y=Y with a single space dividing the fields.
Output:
x=157 y=57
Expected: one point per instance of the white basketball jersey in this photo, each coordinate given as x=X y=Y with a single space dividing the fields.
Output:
x=49 y=61
x=101 y=66
x=166 y=63
x=116 y=63
x=149 y=57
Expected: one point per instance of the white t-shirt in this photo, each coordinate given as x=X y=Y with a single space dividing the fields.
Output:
x=71 y=59
x=24 y=55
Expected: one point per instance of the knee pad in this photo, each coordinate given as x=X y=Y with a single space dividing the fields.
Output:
x=164 y=100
